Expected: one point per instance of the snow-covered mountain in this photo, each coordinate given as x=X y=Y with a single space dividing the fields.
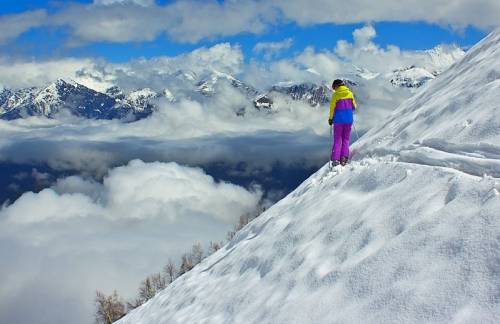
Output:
x=313 y=94
x=75 y=98
x=203 y=85
x=208 y=85
x=142 y=100
x=410 y=77
x=432 y=63
x=441 y=57
x=114 y=102
x=407 y=233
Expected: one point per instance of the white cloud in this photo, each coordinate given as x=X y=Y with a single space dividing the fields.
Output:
x=364 y=52
x=185 y=21
x=13 y=25
x=363 y=36
x=144 y=3
x=271 y=49
x=459 y=13
x=210 y=19
x=341 y=61
x=55 y=208
x=99 y=74
x=81 y=235
x=116 y=22
x=192 y=21
x=138 y=191
x=24 y=74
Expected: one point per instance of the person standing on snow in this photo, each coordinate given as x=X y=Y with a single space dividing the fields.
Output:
x=341 y=116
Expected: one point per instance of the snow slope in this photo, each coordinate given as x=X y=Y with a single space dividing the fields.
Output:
x=454 y=121
x=407 y=233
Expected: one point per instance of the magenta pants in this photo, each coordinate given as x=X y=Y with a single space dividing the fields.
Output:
x=341 y=134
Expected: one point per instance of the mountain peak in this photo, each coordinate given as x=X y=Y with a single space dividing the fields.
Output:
x=411 y=77
x=115 y=92
x=60 y=82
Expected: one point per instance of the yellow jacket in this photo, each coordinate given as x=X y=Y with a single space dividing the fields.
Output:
x=342 y=105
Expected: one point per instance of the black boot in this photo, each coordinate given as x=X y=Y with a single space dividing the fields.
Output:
x=343 y=160
x=333 y=163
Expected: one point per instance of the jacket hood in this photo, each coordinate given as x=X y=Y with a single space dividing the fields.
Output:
x=342 y=88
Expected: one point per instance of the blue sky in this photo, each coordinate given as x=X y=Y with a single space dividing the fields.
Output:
x=52 y=41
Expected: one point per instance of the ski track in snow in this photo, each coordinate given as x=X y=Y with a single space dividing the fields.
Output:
x=476 y=161
x=408 y=232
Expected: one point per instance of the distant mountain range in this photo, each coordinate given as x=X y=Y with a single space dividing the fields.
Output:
x=61 y=96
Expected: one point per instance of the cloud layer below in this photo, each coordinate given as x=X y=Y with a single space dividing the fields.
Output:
x=80 y=235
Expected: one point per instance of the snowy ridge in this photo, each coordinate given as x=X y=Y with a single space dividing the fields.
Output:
x=313 y=94
x=208 y=85
x=365 y=73
x=142 y=99
x=435 y=61
x=77 y=99
x=410 y=77
x=373 y=244
x=443 y=56
x=400 y=235
x=454 y=121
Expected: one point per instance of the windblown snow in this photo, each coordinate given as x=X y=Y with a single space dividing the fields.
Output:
x=409 y=232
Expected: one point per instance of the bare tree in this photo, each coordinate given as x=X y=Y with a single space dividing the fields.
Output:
x=230 y=235
x=170 y=271
x=133 y=304
x=214 y=247
x=196 y=253
x=243 y=221
x=158 y=281
x=108 y=308
x=186 y=264
x=111 y=308
x=146 y=290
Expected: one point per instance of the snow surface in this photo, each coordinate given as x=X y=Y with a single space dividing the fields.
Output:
x=442 y=56
x=412 y=77
x=365 y=73
x=454 y=121
x=141 y=94
x=409 y=232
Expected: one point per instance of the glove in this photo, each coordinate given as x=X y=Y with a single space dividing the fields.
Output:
x=330 y=122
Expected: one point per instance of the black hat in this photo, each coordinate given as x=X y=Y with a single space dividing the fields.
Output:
x=337 y=83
